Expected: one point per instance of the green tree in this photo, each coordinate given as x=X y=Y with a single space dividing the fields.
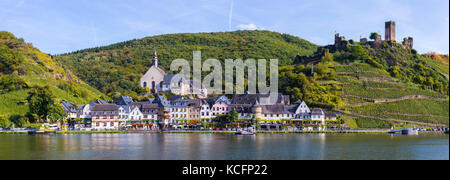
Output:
x=233 y=116
x=328 y=57
x=373 y=35
x=4 y=122
x=40 y=101
x=56 y=112
x=359 y=53
x=18 y=120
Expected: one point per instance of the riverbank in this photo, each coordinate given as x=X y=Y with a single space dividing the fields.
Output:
x=284 y=132
x=70 y=132
x=226 y=132
x=13 y=132
x=93 y=132
x=321 y=132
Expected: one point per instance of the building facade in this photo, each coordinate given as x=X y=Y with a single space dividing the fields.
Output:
x=106 y=116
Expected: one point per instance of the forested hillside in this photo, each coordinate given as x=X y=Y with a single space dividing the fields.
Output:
x=116 y=69
x=374 y=87
x=23 y=68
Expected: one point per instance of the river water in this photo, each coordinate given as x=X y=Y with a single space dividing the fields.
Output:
x=224 y=146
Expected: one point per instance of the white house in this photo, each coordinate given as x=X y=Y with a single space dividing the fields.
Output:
x=84 y=111
x=277 y=112
x=205 y=111
x=124 y=112
x=69 y=109
x=135 y=114
x=178 y=110
x=317 y=114
x=105 y=117
x=303 y=112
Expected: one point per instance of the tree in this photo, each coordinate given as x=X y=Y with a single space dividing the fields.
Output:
x=221 y=119
x=4 y=122
x=18 y=120
x=56 y=112
x=358 y=52
x=373 y=35
x=40 y=99
x=233 y=116
x=328 y=57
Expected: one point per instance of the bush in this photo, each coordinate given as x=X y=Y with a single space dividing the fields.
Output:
x=11 y=82
x=4 y=122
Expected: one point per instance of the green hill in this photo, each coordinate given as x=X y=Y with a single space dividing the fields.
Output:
x=375 y=88
x=118 y=67
x=23 y=66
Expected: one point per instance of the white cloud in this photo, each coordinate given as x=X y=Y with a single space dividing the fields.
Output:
x=247 y=26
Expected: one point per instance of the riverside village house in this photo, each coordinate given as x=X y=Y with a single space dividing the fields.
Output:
x=179 y=112
x=183 y=111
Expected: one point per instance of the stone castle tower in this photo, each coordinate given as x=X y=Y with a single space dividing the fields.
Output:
x=390 y=31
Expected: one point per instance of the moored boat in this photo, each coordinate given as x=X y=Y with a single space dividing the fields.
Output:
x=47 y=129
x=249 y=131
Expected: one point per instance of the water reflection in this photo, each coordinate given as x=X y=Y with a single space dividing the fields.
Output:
x=223 y=146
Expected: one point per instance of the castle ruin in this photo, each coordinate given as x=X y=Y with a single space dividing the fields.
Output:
x=389 y=35
x=339 y=41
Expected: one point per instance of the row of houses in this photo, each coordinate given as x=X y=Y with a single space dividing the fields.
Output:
x=161 y=112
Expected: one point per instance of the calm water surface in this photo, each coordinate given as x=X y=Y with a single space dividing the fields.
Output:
x=224 y=146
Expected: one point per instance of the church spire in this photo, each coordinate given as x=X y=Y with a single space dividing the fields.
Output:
x=155 y=59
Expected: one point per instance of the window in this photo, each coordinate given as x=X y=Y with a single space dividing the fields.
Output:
x=105 y=124
x=112 y=123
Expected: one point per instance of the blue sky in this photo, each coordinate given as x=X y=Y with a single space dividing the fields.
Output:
x=58 y=26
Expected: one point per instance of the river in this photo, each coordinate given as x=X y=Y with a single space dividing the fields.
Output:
x=224 y=147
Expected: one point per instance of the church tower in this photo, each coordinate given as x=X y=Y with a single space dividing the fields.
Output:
x=155 y=59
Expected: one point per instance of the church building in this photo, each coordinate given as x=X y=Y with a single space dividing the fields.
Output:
x=158 y=81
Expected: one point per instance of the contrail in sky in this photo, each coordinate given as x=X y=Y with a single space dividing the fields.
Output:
x=94 y=31
x=231 y=15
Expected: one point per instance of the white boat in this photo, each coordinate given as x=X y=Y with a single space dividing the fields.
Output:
x=249 y=131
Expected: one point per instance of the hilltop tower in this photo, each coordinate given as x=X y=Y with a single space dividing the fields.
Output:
x=339 y=41
x=390 y=31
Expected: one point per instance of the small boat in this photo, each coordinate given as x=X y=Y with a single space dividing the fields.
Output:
x=47 y=129
x=249 y=131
